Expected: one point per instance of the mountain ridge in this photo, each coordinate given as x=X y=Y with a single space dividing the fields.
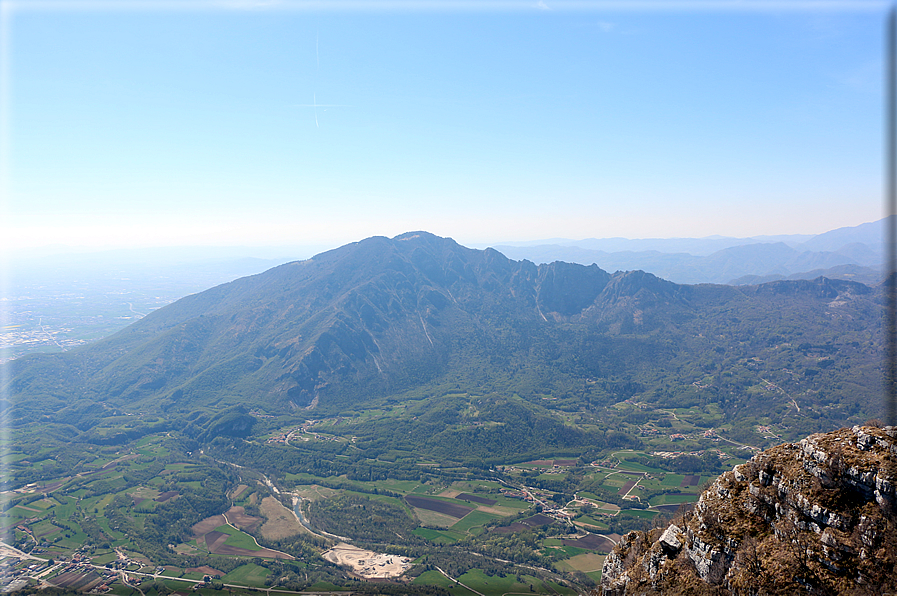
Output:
x=382 y=316
x=723 y=260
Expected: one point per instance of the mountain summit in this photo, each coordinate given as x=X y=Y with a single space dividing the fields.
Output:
x=371 y=316
x=384 y=316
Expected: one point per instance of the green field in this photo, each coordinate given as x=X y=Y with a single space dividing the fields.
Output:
x=497 y=585
x=473 y=519
x=100 y=510
x=637 y=467
x=434 y=578
x=674 y=499
x=640 y=513
x=325 y=587
x=571 y=551
x=249 y=574
x=399 y=486
x=586 y=519
x=672 y=480
x=238 y=538
x=438 y=536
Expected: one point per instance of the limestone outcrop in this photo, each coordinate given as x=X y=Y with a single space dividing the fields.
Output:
x=817 y=516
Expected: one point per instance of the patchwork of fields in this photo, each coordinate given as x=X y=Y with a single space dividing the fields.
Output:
x=119 y=506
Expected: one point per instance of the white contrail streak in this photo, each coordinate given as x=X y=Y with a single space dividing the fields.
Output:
x=315 y=105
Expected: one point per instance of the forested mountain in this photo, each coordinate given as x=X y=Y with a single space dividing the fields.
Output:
x=497 y=422
x=385 y=316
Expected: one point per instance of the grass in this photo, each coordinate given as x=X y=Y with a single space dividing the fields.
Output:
x=434 y=578
x=64 y=511
x=591 y=521
x=672 y=480
x=472 y=485
x=594 y=576
x=303 y=478
x=176 y=585
x=493 y=585
x=551 y=476
x=449 y=500
x=472 y=520
x=326 y=587
x=637 y=467
x=249 y=574
x=104 y=524
x=21 y=513
x=422 y=489
x=145 y=506
x=237 y=538
x=428 y=517
x=509 y=502
x=43 y=504
x=105 y=500
x=675 y=499
x=400 y=486
x=438 y=536
x=586 y=563
x=573 y=551
x=644 y=514
x=384 y=499
x=558 y=589
x=103 y=559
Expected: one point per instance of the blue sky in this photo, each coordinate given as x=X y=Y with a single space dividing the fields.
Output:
x=275 y=124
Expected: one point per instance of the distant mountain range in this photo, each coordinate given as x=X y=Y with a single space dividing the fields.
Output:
x=402 y=316
x=854 y=253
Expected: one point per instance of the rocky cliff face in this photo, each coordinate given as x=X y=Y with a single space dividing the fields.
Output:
x=817 y=516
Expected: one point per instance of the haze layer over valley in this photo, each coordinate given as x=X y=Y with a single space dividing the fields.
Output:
x=56 y=298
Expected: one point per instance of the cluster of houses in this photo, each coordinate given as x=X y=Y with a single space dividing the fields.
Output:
x=767 y=433
x=304 y=428
x=519 y=494
x=651 y=431
x=674 y=454
x=16 y=572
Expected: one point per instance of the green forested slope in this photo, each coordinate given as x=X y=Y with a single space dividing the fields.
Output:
x=417 y=313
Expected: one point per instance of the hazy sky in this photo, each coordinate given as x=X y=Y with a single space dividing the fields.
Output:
x=243 y=123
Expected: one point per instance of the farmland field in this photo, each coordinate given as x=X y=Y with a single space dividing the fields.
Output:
x=250 y=574
x=473 y=519
x=439 y=506
x=448 y=510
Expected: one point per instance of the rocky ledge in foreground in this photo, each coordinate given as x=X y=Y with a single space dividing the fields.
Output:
x=818 y=516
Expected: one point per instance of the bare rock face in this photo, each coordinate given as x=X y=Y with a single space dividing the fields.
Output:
x=669 y=540
x=817 y=516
